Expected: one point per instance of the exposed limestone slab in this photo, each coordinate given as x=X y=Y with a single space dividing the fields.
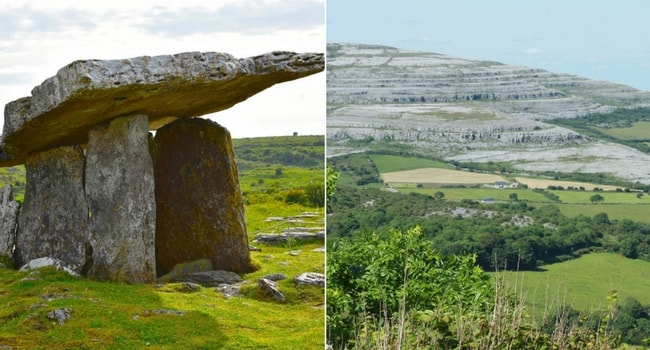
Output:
x=8 y=220
x=120 y=195
x=199 y=205
x=52 y=222
x=85 y=93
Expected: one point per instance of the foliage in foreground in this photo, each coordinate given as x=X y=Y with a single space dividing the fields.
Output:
x=393 y=292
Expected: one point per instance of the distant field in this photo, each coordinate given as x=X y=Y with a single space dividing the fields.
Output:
x=575 y=282
x=544 y=183
x=638 y=131
x=583 y=197
x=479 y=193
x=439 y=176
x=634 y=212
x=388 y=163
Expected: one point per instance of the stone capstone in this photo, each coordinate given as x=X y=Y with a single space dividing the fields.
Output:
x=86 y=93
x=120 y=195
x=200 y=209
x=53 y=219
x=8 y=220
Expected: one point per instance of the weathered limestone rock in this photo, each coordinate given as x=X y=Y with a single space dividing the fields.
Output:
x=271 y=287
x=52 y=222
x=120 y=195
x=85 y=93
x=310 y=279
x=200 y=210
x=8 y=220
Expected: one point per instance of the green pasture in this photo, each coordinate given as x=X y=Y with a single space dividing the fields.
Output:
x=633 y=212
x=583 y=283
x=455 y=193
x=638 y=131
x=388 y=163
x=583 y=197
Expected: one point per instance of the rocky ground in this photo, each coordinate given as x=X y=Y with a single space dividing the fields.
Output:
x=470 y=110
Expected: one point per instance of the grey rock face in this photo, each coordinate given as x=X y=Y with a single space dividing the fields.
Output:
x=200 y=210
x=8 y=220
x=54 y=216
x=85 y=93
x=120 y=195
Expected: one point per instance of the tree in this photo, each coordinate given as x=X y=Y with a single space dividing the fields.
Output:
x=513 y=197
x=439 y=195
x=597 y=198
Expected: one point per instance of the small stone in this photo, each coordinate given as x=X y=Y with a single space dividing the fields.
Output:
x=253 y=248
x=319 y=250
x=294 y=252
x=275 y=277
x=310 y=279
x=60 y=315
x=272 y=288
x=229 y=290
x=189 y=287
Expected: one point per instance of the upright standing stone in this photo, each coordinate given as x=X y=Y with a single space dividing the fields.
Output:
x=120 y=195
x=200 y=210
x=52 y=222
x=8 y=221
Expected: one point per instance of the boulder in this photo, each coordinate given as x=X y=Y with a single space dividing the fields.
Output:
x=54 y=216
x=199 y=205
x=64 y=108
x=8 y=220
x=46 y=262
x=120 y=195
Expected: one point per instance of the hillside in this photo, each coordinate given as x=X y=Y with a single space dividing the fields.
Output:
x=411 y=102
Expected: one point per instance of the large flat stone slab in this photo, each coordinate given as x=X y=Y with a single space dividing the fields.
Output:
x=85 y=93
x=120 y=195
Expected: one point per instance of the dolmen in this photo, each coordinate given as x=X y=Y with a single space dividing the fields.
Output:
x=107 y=197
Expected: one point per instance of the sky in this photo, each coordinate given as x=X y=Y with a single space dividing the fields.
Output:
x=598 y=39
x=37 y=38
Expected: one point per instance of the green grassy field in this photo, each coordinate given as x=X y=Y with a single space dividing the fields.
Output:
x=580 y=284
x=614 y=211
x=454 y=193
x=389 y=163
x=638 y=131
x=582 y=197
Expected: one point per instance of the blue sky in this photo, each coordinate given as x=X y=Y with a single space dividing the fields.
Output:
x=37 y=38
x=598 y=39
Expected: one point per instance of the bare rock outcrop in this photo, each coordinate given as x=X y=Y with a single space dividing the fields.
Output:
x=200 y=209
x=85 y=93
x=120 y=195
x=54 y=216
x=8 y=220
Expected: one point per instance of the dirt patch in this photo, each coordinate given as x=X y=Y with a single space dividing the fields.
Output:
x=439 y=176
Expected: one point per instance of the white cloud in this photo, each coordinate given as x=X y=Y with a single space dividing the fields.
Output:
x=39 y=37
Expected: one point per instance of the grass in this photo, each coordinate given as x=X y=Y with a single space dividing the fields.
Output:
x=104 y=314
x=638 y=131
x=479 y=193
x=390 y=163
x=545 y=183
x=582 y=197
x=575 y=282
x=633 y=212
